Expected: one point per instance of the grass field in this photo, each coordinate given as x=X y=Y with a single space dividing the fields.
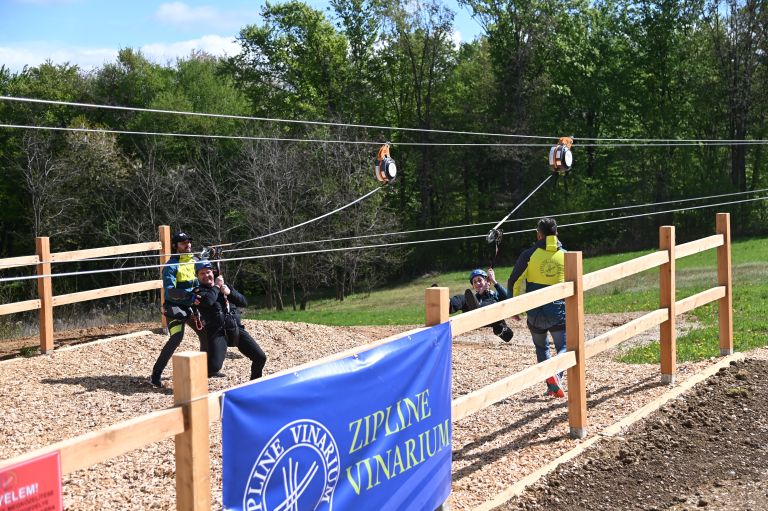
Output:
x=404 y=304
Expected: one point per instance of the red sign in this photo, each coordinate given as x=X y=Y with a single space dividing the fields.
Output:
x=33 y=485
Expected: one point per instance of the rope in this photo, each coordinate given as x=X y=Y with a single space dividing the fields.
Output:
x=415 y=231
x=522 y=202
x=380 y=245
x=303 y=223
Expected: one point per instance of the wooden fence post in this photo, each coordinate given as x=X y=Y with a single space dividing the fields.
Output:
x=164 y=233
x=574 y=338
x=667 y=288
x=45 y=293
x=436 y=300
x=436 y=305
x=193 y=470
x=724 y=278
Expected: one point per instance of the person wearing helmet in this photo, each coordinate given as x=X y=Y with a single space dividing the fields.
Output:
x=179 y=281
x=537 y=267
x=218 y=305
x=485 y=291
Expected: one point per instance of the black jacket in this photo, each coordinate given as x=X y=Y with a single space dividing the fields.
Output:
x=213 y=307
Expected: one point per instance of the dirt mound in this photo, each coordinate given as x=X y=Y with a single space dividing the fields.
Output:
x=705 y=449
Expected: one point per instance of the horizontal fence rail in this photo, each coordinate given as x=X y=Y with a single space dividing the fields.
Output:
x=625 y=269
x=15 y=262
x=699 y=299
x=92 y=253
x=620 y=334
x=92 y=448
x=106 y=292
x=696 y=246
x=483 y=316
x=189 y=420
x=483 y=398
x=12 y=308
x=46 y=300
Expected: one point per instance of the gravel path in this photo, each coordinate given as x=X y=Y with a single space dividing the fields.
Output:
x=70 y=392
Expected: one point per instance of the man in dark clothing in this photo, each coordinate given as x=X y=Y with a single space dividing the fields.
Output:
x=537 y=267
x=178 y=282
x=218 y=304
x=483 y=295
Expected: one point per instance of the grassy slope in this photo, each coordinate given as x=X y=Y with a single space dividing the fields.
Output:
x=404 y=304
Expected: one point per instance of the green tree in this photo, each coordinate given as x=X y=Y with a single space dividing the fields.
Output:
x=419 y=54
x=739 y=37
x=361 y=101
x=294 y=64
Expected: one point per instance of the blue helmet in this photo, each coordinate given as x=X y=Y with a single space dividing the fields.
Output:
x=477 y=273
x=201 y=265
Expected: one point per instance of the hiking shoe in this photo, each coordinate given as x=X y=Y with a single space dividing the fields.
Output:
x=553 y=387
x=156 y=382
x=471 y=300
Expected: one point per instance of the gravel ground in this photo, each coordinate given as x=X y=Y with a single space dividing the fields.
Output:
x=75 y=391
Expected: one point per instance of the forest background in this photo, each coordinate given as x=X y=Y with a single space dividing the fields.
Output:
x=591 y=69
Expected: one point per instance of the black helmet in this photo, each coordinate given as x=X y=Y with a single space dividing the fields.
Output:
x=180 y=236
x=201 y=265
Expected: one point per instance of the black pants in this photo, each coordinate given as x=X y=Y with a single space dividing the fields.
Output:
x=217 y=351
x=501 y=329
x=176 y=329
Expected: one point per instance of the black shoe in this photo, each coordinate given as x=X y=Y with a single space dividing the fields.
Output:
x=506 y=335
x=156 y=382
x=471 y=300
x=217 y=374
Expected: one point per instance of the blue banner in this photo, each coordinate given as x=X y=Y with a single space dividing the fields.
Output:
x=371 y=431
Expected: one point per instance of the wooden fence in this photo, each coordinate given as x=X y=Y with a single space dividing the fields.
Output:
x=189 y=419
x=46 y=300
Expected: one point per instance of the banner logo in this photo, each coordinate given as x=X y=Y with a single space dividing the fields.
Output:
x=297 y=469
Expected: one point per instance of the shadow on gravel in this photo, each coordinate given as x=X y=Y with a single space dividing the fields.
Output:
x=117 y=383
x=559 y=410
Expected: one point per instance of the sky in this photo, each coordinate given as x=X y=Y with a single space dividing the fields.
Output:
x=90 y=32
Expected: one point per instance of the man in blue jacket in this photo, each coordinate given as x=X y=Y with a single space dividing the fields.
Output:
x=540 y=266
x=179 y=281
x=481 y=295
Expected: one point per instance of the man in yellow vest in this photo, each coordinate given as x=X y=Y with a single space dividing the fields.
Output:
x=540 y=266
x=179 y=281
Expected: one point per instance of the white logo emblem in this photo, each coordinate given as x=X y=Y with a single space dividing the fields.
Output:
x=296 y=470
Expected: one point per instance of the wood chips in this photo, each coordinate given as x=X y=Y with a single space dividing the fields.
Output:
x=70 y=392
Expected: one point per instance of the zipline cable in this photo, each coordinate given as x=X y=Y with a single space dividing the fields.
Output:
x=186 y=135
x=265 y=119
x=414 y=231
x=371 y=142
x=633 y=141
x=380 y=245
